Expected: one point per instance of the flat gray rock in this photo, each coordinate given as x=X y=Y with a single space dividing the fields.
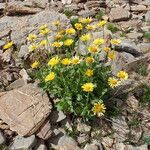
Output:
x=2 y=138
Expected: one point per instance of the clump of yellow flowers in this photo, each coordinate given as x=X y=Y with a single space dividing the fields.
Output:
x=80 y=81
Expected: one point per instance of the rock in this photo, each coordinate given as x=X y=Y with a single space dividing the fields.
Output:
x=83 y=138
x=91 y=147
x=87 y=13
x=16 y=8
x=134 y=35
x=30 y=107
x=120 y=146
x=135 y=134
x=25 y=76
x=23 y=52
x=108 y=143
x=138 y=8
x=57 y=116
x=119 y=14
x=44 y=132
x=83 y=128
x=23 y=143
x=66 y=1
x=16 y=84
x=40 y=145
x=2 y=43
x=147 y=16
x=129 y=47
x=2 y=139
x=63 y=142
x=144 y=47
x=142 y=147
x=132 y=102
x=121 y=128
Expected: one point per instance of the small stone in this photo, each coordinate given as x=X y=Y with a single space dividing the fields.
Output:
x=108 y=142
x=25 y=76
x=40 y=145
x=120 y=146
x=23 y=143
x=144 y=47
x=57 y=116
x=134 y=35
x=87 y=13
x=83 y=128
x=2 y=139
x=44 y=132
x=142 y=147
x=91 y=147
x=83 y=138
x=24 y=52
x=119 y=14
x=2 y=43
x=139 y=8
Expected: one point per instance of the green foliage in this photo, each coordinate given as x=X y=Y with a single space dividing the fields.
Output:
x=147 y=35
x=112 y=28
x=99 y=15
x=146 y=139
x=141 y=69
x=68 y=13
x=145 y=99
x=3 y=147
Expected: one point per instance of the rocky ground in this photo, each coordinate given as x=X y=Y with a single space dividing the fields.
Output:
x=27 y=118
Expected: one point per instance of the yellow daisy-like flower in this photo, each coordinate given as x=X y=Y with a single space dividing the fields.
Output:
x=53 y=61
x=31 y=37
x=68 y=42
x=89 y=60
x=43 y=27
x=43 y=43
x=75 y=60
x=57 y=44
x=111 y=55
x=58 y=36
x=90 y=27
x=122 y=75
x=102 y=23
x=85 y=20
x=50 y=77
x=66 y=61
x=32 y=47
x=98 y=41
x=8 y=45
x=107 y=49
x=93 y=49
x=71 y=31
x=113 y=82
x=78 y=26
x=89 y=72
x=35 y=65
x=99 y=109
x=85 y=37
x=88 y=87
x=115 y=41
x=56 y=23
x=44 y=31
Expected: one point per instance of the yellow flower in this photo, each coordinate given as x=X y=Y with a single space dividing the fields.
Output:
x=66 y=61
x=8 y=45
x=53 y=61
x=57 y=44
x=89 y=72
x=43 y=43
x=85 y=20
x=85 y=37
x=113 y=82
x=62 y=31
x=50 y=76
x=107 y=49
x=75 y=60
x=58 y=36
x=43 y=27
x=32 y=47
x=102 y=23
x=70 y=31
x=93 y=49
x=111 y=55
x=99 y=109
x=31 y=37
x=44 y=31
x=90 y=27
x=88 y=87
x=122 y=75
x=89 y=60
x=56 y=23
x=68 y=42
x=115 y=41
x=78 y=26
x=35 y=65
x=98 y=41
